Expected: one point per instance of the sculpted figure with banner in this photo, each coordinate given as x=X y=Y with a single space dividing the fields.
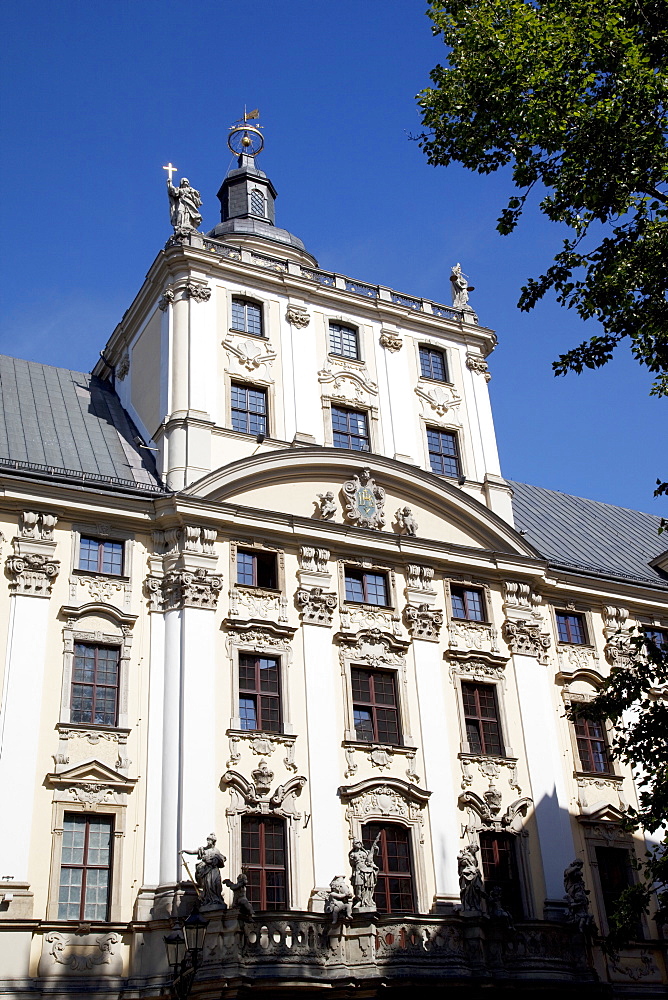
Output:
x=207 y=874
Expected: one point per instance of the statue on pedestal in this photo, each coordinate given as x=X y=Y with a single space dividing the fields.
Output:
x=460 y=288
x=406 y=521
x=240 y=900
x=365 y=874
x=471 y=889
x=184 y=204
x=578 y=898
x=339 y=900
x=207 y=874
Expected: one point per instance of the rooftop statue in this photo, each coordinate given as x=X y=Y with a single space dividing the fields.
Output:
x=184 y=202
x=207 y=874
x=460 y=288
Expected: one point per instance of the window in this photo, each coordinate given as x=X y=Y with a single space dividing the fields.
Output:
x=257 y=202
x=432 y=364
x=443 y=452
x=658 y=636
x=614 y=872
x=98 y=556
x=343 y=341
x=350 y=429
x=394 y=889
x=571 y=628
x=366 y=588
x=263 y=861
x=467 y=603
x=499 y=869
x=259 y=693
x=256 y=569
x=247 y=316
x=375 y=713
x=481 y=719
x=249 y=409
x=592 y=745
x=85 y=868
x=95 y=685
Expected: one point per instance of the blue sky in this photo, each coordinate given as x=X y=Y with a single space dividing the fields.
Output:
x=97 y=96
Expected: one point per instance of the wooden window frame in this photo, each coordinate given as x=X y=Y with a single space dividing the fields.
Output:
x=585 y=737
x=481 y=719
x=101 y=543
x=96 y=647
x=259 y=695
x=465 y=589
x=363 y=574
x=250 y=387
x=257 y=555
x=373 y=705
x=102 y=534
x=263 y=867
x=358 y=412
x=457 y=457
x=385 y=874
x=87 y=819
x=513 y=900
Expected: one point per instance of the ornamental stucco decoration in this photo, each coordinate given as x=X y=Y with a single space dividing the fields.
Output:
x=32 y=575
x=100 y=952
x=37 y=524
x=247 y=603
x=297 y=316
x=326 y=505
x=443 y=402
x=196 y=589
x=477 y=364
x=525 y=639
x=420 y=577
x=365 y=501
x=351 y=385
x=406 y=522
x=198 y=292
x=577 y=898
x=123 y=367
x=317 y=605
x=250 y=355
x=313 y=559
x=262 y=777
x=166 y=298
x=391 y=340
x=263 y=745
x=423 y=622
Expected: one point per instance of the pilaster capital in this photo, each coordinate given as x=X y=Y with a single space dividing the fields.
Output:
x=198 y=292
x=391 y=340
x=317 y=605
x=31 y=574
x=477 y=364
x=196 y=589
x=423 y=622
x=297 y=316
x=526 y=639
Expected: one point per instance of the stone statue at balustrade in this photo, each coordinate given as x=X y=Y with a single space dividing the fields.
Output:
x=207 y=874
x=239 y=899
x=471 y=889
x=339 y=900
x=364 y=874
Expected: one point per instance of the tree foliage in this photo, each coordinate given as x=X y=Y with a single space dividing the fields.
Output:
x=635 y=699
x=571 y=96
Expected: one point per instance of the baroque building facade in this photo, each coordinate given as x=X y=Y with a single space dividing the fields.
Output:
x=264 y=577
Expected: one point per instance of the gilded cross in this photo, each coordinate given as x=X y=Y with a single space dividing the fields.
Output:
x=170 y=169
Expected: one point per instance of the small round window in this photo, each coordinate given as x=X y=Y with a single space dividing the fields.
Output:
x=257 y=202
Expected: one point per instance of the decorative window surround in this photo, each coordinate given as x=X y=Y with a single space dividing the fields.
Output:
x=349 y=383
x=380 y=757
x=264 y=638
x=596 y=791
x=255 y=798
x=118 y=635
x=249 y=356
x=86 y=587
x=489 y=769
x=602 y=828
x=375 y=649
x=89 y=786
x=103 y=531
x=257 y=603
x=485 y=811
x=368 y=613
x=390 y=800
x=480 y=669
x=74 y=737
x=262 y=745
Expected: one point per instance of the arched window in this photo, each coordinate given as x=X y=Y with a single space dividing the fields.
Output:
x=394 y=890
x=263 y=859
x=257 y=203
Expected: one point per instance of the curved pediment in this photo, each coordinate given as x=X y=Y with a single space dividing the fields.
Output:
x=290 y=481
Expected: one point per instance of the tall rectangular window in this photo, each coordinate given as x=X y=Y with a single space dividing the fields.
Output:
x=499 y=869
x=350 y=429
x=85 y=868
x=394 y=888
x=249 y=409
x=263 y=859
x=571 y=628
x=443 y=452
x=659 y=637
x=256 y=569
x=366 y=588
x=101 y=556
x=467 y=603
x=432 y=364
x=343 y=340
x=592 y=745
x=95 y=676
x=247 y=316
x=375 y=712
x=259 y=693
x=481 y=718
x=614 y=873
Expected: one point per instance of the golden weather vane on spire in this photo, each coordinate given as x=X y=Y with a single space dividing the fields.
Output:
x=245 y=139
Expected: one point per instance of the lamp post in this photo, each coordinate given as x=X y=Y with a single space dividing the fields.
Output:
x=184 y=954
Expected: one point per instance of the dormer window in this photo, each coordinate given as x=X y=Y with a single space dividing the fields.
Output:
x=257 y=203
x=247 y=317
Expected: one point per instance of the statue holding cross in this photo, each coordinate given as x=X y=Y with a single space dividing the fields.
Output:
x=184 y=202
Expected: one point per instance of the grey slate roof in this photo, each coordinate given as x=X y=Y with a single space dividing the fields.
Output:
x=588 y=535
x=68 y=425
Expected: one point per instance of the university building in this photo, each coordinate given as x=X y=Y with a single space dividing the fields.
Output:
x=264 y=579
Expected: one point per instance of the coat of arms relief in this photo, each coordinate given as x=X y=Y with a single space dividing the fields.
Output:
x=364 y=501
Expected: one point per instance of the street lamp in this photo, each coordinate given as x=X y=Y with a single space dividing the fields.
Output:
x=184 y=954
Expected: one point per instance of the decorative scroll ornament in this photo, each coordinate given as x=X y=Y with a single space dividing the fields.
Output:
x=312 y=559
x=297 y=316
x=35 y=524
x=249 y=354
x=199 y=589
x=364 y=501
x=444 y=402
x=526 y=639
x=123 y=367
x=391 y=340
x=166 y=298
x=200 y=293
x=82 y=961
x=354 y=386
x=476 y=364
x=317 y=605
x=423 y=622
x=31 y=574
